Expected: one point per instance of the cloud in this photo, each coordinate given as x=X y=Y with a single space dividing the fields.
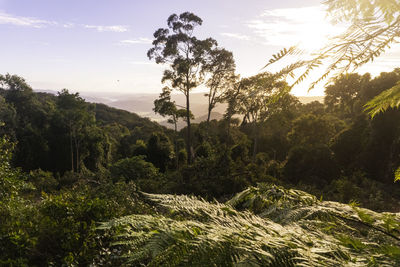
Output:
x=307 y=26
x=140 y=40
x=6 y=18
x=113 y=28
x=68 y=25
x=236 y=36
x=32 y=22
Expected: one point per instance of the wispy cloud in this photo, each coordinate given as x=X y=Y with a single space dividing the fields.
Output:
x=141 y=40
x=236 y=36
x=113 y=28
x=6 y=18
x=68 y=25
x=307 y=26
x=10 y=19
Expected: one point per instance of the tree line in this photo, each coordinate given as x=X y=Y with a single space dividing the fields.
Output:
x=325 y=148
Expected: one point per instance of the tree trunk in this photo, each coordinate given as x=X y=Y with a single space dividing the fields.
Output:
x=255 y=136
x=208 y=115
x=228 y=132
x=176 y=144
x=189 y=136
x=71 y=147
x=390 y=165
x=77 y=158
x=209 y=108
x=76 y=152
x=211 y=104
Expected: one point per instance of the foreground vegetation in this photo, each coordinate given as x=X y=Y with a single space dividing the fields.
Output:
x=265 y=225
x=261 y=226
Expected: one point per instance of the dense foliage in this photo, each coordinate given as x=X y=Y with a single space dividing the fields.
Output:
x=261 y=226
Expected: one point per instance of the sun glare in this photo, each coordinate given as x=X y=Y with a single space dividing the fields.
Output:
x=306 y=27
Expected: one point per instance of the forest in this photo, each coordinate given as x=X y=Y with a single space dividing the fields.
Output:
x=274 y=183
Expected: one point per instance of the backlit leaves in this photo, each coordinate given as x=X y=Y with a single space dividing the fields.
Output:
x=262 y=226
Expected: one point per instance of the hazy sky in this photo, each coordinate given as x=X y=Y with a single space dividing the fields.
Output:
x=101 y=45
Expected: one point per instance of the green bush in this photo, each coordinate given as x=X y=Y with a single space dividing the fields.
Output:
x=311 y=164
x=43 y=180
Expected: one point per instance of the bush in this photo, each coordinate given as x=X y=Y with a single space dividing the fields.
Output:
x=43 y=181
x=133 y=169
x=204 y=150
x=136 y=169
x=311 y=164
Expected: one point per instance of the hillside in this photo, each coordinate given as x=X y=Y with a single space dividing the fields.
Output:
x=45 y=125
x=125 y=109
x=106 y=115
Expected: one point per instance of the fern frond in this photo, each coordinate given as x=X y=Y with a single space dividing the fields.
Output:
x=385 y=100
x=281 y=54
x=265 y=225
x=397 y=175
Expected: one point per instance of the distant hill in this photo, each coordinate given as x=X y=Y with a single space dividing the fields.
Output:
x=107 y=114
x=181 y=124
x=142 y=104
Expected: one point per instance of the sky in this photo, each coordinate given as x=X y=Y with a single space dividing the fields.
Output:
x=101 y=45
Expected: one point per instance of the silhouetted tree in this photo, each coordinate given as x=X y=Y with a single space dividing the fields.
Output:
x=166 y=107
x=185 y=54
x=221 y=68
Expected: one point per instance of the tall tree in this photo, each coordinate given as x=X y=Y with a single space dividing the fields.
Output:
x=166 y=107
x=186 y=56
x=231 y=97
x=254 y=99
x=221 y=68
x=75 y=116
